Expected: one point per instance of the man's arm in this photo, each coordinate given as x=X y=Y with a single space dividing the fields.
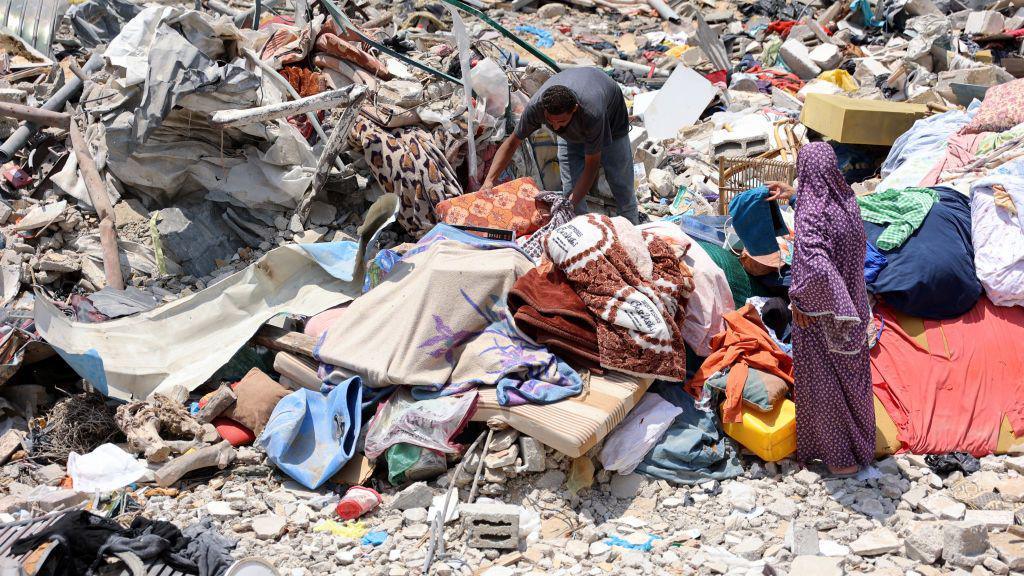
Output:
x=501 y=160
x=591 y=165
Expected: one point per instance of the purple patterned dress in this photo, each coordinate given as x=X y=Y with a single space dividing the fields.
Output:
x=835 y=418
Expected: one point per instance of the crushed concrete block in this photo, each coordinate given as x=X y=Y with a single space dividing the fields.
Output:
x=963 y=544
x=984 y=22
x=798 y=58
x=876 y=542
x=1010 y=548
x=817 y=565
x=532 y=453
x=924 y=542
x=826 y=56
x=552 y=11
x=990 y=518
x=417 y=495
x=491 y=525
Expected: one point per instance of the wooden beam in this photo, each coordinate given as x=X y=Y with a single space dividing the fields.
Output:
x=101 y=202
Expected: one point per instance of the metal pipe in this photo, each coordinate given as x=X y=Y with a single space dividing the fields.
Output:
x=35 y=115
x=256 y=14
x=665 y=11
x=56 y=102
x=322 y=101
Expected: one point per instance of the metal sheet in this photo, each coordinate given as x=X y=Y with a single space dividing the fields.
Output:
x=35 y=21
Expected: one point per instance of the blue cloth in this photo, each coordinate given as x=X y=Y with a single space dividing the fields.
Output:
x=375 y=538
x=336 y=258
x=617 y=161
x=932 y=274
x=864 y=6
x=544 y=38
x=310 y=436
x=694 y=449
x=874 y=262
x=645 y=547
x=757 y=222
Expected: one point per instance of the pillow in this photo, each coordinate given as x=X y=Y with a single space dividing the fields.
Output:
x=233 y=432
x=1002 y=109
x=508 y=206
x=257 y=396
x=761 y=392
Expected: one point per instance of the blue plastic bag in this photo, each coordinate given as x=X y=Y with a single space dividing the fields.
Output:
x=310 y=436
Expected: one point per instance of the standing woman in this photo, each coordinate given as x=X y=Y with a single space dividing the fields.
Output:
x=835 y=417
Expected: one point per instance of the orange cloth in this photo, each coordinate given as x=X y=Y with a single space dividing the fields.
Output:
x=352 y=53
x=745 y=344
x=952 y=396
x=508 y=206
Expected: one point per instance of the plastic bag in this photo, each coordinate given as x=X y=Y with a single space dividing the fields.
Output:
x=840 y=78
x=105 y=469
x=310 y=436
x=490 y=82
x=427 y=423
x=627 y=445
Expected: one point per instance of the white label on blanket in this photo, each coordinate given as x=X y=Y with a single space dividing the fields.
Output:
x=572 y=240
x=635 y=311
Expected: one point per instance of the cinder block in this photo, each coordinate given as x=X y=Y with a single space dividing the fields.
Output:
x=798 y=58
x=491 y=525
x=984 y=22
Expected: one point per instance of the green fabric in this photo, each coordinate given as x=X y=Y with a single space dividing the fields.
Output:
x=903 y=210
x=739 y=280
x=755 y=394
x=400 y=458
x=408 y=463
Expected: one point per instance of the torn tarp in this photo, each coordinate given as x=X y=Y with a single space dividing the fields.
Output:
x=170 y=69
x=129 y=358
x=98 y=21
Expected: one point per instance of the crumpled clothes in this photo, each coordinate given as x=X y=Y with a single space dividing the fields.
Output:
x=561 y=213
x=411 y=164
x=544 y=38
x=207 y=551
x=347 y=45
x=305 y=82
x=636 y=288
x=778 y=79
x=781 y=27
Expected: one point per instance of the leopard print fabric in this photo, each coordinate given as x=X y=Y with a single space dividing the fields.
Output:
x=409 y=163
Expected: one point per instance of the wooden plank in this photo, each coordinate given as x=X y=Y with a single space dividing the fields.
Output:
x=284 y=341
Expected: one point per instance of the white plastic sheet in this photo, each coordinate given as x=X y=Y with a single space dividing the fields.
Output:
x=638 y=433
x=186 y=341
x=105 y=469
x=679 y=104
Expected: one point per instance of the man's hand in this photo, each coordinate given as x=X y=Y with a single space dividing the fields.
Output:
x=779 y=191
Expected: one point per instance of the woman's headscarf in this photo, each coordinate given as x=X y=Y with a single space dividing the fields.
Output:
x=828 y=262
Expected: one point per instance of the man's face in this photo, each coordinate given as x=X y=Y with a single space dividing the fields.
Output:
x=559 y=121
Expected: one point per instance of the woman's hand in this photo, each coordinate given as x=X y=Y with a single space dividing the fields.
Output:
x=779 y=191
x=800 y=319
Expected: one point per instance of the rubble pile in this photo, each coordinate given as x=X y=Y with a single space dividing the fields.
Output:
x=306 y=287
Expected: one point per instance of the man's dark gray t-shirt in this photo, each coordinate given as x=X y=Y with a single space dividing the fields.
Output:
x=600 y=118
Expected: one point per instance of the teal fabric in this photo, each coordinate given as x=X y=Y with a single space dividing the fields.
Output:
x=755 y=394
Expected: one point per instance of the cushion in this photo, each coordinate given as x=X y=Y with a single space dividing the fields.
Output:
x=508 y=206
x=1002 y=109
x=257 y=394
x=233 y=432
x=761 y=392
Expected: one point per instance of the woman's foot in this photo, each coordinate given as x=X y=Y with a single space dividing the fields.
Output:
x=844 y=471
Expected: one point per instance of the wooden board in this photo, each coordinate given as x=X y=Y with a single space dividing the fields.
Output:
x=571 y=426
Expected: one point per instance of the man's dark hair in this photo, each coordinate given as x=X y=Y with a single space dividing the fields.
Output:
x=558 y=100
